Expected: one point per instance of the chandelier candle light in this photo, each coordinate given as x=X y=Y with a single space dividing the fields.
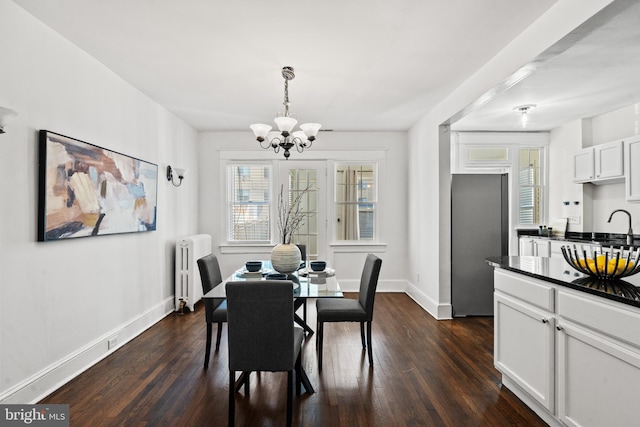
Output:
x=285 y=139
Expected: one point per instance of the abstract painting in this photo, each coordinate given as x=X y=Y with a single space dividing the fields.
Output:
x=86 y=190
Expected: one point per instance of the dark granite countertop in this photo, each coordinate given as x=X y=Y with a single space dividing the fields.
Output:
x=602 y=239
x=559 y=272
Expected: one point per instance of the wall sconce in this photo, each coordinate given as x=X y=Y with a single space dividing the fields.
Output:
x=179 y=172
x=6 y=115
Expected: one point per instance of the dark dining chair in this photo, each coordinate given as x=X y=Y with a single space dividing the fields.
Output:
x=351 y=310
x=262 y=336
x=302 y=302
x=215 y=309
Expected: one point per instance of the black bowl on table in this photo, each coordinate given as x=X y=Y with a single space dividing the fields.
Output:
x=318 y=265
x=276 y=276
x=253 y=266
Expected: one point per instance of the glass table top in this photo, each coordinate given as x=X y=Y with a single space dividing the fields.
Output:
x=307 y=284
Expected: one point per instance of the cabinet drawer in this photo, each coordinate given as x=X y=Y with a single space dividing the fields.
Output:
x=600 y=315
x=530 y=290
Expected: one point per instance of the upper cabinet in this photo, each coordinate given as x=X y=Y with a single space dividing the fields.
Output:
x=608 y=162
x=583 y=165
x=602 y=164
x=632 y=166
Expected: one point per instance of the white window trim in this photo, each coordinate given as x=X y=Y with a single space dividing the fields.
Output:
x=331 y=157
x=224 y=207
x=515 y=141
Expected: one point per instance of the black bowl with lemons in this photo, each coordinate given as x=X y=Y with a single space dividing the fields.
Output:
x=607 y=264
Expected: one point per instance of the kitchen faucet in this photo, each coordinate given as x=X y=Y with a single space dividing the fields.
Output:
x=630 y=232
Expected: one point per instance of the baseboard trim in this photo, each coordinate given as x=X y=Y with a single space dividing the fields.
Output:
x=439 y=311
x=43 y=383
x=383 y=285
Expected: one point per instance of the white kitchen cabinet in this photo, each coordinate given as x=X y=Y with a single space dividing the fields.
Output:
x=583 y=167
x=572 y=357
x=556 y=248
x=598 y=361
x=524 y=335
x=601 y=164
x=632 y=168
x=531 y=246
x=524 y=347
x=608 y=160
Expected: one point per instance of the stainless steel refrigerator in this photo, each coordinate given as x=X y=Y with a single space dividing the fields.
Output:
x=479 y=229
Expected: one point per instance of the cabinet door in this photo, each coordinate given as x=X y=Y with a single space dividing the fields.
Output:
x=542 y=247
x=608 y=160
x=524 y=347
x=556 y=248
x=632 y=167
x=534 y=247
x=526 y=247
x=597 y=379
x=583 y=165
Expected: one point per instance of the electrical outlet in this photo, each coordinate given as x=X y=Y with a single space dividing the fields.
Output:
x=574 y=220
x=112 y=342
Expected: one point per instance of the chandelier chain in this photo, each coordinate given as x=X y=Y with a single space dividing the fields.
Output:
x=286 y=98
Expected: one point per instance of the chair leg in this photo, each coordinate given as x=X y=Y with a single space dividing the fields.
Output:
x=247 y=384
x=232 y=398
x=304 y=311
x=207 y=351
x=369 y=342
x=364 y=344
x=320 y=339
x=218 y=337
x=299 y=374
x=289 y=397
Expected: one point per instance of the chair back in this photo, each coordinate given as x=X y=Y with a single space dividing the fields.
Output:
x=369 y=283
x=210 y=277
x=260 y=325
x=303 y=252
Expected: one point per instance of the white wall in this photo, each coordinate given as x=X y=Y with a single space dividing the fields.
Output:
x=429 y=215
x=564 y=141
x=598 y=201
x=348 y=260
x=61 y=301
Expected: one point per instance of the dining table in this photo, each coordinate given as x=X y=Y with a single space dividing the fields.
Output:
x=306 y=284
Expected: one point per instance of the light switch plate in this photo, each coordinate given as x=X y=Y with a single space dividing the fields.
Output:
x=574 y=220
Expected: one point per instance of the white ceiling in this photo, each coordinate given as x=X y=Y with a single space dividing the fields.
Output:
x=360 y=64
x=594 y=70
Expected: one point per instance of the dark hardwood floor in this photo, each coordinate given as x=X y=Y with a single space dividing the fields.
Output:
x=426 y=373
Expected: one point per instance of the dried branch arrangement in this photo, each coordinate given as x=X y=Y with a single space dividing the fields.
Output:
x=291 y=217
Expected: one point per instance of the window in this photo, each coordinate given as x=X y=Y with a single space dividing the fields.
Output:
x=531 y=189
x=356 y=200
x=249 y=202
x=299 y=181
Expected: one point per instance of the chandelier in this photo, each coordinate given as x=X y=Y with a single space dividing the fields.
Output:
x=285 y=139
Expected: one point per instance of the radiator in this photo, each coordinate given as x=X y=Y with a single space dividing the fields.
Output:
x=188 y=284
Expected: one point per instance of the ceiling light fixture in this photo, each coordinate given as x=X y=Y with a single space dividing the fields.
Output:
x=284 y=138
x=524 y=110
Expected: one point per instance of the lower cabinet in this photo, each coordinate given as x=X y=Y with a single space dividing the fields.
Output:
x=598 y=347
x=531 y=246
x=530 y=362
x=574 y=358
